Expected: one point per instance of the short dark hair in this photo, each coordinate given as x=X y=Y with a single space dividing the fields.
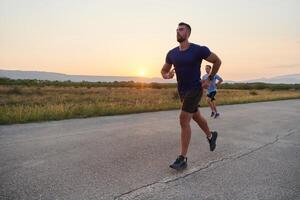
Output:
x=187 y=25
x=208 y=66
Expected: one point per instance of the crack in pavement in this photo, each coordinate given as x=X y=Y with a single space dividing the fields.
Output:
x=163 y=183
x=290 y=143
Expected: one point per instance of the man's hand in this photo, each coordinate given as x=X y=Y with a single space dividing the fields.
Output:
x=166 y=73
x=205 y=83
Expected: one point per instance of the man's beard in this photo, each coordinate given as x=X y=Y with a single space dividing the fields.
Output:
x=180 y=38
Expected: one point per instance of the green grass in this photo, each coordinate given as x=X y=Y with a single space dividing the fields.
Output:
x=21 y=104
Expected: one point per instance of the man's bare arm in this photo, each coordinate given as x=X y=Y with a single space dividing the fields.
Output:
x=165 y=71
x=213 y=58
x=220 y=81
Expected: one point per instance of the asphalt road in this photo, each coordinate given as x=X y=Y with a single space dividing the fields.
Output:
x=128 y=156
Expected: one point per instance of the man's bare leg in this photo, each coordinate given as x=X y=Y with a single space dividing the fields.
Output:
x=201 y=121
x=210 y=103
x=214 y=106
x=211 y=136
x=185 y=119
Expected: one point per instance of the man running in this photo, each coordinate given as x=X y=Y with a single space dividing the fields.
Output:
x=212 y=91
x=187 y=59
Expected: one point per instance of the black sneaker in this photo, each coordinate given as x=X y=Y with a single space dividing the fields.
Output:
x=180 y=163
x=217 y=115
x=212 y=114
x=212 y=141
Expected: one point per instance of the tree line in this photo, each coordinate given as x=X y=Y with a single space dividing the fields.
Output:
x=132 y=84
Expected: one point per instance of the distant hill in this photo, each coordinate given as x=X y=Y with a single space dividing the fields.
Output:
x=16 y=74
x=51 y=76
x=287 y=79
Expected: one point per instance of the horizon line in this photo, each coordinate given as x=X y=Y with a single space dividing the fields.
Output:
x=141 y=77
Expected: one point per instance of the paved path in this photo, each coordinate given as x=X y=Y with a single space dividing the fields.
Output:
x=127 y=157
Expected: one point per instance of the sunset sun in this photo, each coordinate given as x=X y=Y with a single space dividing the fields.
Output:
x=142 y=73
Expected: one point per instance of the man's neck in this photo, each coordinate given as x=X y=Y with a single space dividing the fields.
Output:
x=184 y=45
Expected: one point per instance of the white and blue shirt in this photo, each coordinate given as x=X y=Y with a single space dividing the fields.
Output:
x=212 y=87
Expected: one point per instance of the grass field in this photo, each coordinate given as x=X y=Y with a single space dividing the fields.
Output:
x=20 y=104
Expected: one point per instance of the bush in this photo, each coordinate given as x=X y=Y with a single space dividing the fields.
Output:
x=253 y=92
x=15 y=90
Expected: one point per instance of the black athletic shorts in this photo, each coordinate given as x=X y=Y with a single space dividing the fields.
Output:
x=191 y=99
x=212 y=95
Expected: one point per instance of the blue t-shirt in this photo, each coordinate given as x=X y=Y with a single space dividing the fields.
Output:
x=212 y=86
x=187 y=65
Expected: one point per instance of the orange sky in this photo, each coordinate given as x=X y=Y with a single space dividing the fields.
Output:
x=254 y=39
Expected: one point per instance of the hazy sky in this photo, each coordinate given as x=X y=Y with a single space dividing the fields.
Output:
x=254 y=38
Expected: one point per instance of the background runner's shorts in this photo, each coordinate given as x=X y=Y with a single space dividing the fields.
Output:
x=190 y=101
x=212 y=95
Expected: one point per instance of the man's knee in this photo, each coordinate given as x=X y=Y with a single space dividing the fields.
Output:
x=184 y=119
x=196 y=116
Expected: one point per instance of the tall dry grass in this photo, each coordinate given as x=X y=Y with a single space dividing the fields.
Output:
x=20 y=104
